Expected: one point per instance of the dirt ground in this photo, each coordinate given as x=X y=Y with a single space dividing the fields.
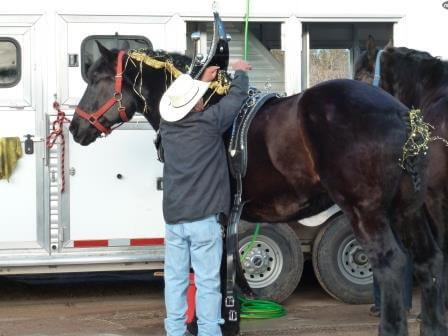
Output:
x=131 y=304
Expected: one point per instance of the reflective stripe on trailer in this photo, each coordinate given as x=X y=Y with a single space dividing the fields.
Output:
x=117 y=242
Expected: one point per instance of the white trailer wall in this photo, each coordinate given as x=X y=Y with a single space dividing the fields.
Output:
x=419 y=24
x=48 y=31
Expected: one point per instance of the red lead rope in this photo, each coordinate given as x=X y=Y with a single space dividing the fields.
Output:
x=57 y=131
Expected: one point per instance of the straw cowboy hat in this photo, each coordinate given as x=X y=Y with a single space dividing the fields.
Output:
x=181 y=97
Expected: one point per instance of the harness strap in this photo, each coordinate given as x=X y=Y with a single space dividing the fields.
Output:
x=93 y=118
x=238 y=152
x=238 y=164
x=230 y=301
x=377 y=75
x=122 y=113
x=119 y=73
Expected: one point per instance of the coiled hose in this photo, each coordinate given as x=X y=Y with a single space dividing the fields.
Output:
x=254 y=308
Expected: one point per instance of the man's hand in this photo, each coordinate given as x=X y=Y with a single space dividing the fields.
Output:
x=199 y=107
x=241 y=65
x=209 y=73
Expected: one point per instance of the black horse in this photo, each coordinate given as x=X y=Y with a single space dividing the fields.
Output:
x=339 y=141
x=420 y=81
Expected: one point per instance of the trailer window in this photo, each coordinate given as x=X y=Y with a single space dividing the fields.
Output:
x=331 y=48
x=9 y=62
x=264 y=49
x=329 y=63
x=90 y=52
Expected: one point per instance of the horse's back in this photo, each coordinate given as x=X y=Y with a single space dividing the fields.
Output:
x=351 y=112
x=353 y=99
x=356 y=133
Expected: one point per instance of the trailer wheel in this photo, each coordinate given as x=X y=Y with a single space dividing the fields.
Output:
x=340 y=264
x=274 y=265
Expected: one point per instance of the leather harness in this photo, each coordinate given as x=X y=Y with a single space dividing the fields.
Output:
x=238 y=165
x=238 y=141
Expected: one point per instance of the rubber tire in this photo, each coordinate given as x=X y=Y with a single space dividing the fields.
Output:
x=325 y=263
x=289 y=245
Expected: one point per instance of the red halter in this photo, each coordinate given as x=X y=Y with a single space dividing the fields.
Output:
x=93 y=118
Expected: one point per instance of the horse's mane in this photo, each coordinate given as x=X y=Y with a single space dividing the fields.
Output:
x=416 y=55
x=181 y=62
x=422 y=64
x=176 y=64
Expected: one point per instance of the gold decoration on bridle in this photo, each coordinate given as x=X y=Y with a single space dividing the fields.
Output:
x=220 y=86
x=153 y=63
x=419 y=137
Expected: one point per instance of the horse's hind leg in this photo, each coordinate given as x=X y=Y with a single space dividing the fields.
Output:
x=429 y=270
x=373 y=231
x=437 y=204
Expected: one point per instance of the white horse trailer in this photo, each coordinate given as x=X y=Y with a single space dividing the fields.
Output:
x=109 y=216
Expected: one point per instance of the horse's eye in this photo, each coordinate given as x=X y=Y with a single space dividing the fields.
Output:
x=95 y=79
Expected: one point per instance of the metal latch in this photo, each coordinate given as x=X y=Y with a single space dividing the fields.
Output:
x=29 y=144
x=73 y=60
x=233 y=315
x=159 y=183
x=230 y=301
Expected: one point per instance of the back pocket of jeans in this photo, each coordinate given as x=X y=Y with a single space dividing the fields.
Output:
x=204 y=232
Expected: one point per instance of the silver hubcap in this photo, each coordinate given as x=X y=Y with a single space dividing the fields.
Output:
x=263 y=263
x=354 y=263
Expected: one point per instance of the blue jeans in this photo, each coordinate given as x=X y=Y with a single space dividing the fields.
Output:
x=198 y=244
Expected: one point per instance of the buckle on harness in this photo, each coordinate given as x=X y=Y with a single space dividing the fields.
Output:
x=229 y=301
x=233 y=315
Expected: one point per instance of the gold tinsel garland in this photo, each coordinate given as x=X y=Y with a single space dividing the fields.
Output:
x=419 y=137
x=221 y=86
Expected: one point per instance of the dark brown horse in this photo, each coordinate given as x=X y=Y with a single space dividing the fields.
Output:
x=339 y=141
x=419 y=81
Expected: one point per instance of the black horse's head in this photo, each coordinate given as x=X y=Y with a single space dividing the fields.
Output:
x=108 y=92
x=118 y=86
x=405 y=73
x=365 y=64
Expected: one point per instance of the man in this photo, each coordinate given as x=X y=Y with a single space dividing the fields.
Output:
x=196 y=191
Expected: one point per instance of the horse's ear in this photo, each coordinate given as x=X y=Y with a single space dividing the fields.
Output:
x=106 y=53
x=371 y=48
x=389 y=44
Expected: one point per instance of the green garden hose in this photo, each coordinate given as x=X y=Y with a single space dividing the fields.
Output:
x=251 y=244
x=258 y=309
x=246 y=30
